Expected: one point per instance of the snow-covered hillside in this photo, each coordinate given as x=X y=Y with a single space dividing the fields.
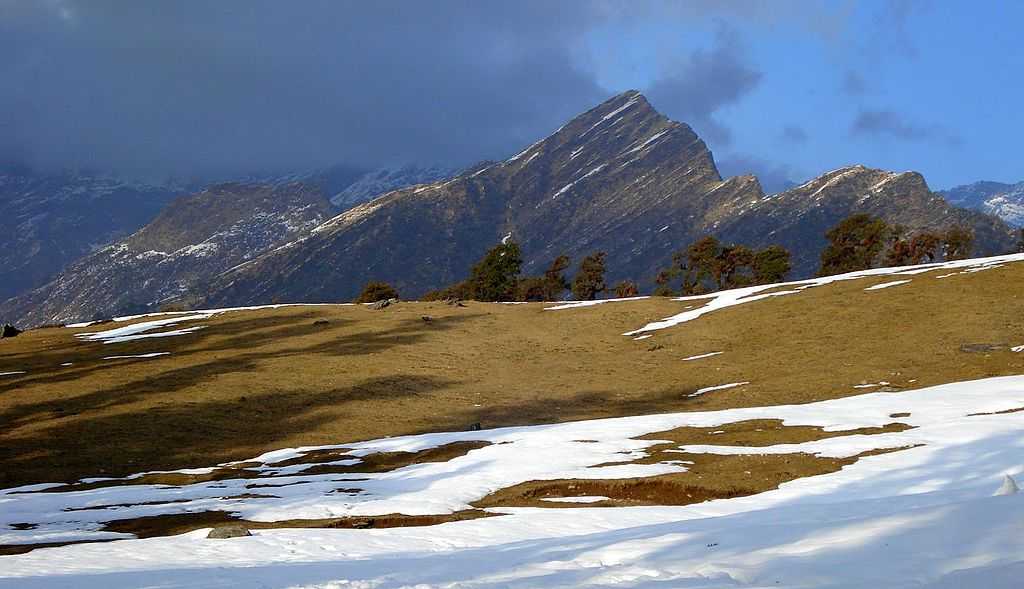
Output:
x=921 y=515
x=1002 y=200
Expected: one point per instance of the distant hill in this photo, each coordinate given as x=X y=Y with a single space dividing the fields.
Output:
x=194 y=239
x=53 y=219
x=1005 y=201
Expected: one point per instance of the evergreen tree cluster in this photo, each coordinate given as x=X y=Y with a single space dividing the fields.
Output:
x=863 y=241
x=708 y=265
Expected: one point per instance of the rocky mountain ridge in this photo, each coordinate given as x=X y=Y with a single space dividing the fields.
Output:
x=1005 y=201
x=194 y=239
x=621 y=178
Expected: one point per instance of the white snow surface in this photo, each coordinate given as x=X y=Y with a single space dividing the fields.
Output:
x=12 y=373
x=720 y=387
x=149 y=355
x=922 y=516
x=887 y=284
x=701 y=356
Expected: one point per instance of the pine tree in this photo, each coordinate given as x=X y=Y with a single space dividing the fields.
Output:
x=589 y=281
x=555 y=282
x=960 y=243
x=854 y=244
x=626 y=288
x=771 y=264
x=496 y=276
x=376 y=290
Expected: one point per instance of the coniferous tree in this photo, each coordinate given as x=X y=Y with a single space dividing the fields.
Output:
x=496 y=276
x=589 y=281
x=376 y=290
x=960 y=243
x=771 y=264
x=664 y=284
x=626 y=288
x=555 y=282
x=854 y=244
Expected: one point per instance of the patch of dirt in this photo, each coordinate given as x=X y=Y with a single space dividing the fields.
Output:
x=1003 y=412
x=376 y=462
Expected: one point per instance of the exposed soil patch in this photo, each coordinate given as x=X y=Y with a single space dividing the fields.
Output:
x=710 y=477
x=755 y=433
x=377 y=462
x=1004 y=411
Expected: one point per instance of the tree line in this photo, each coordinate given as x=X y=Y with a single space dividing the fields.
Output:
x=858 y=242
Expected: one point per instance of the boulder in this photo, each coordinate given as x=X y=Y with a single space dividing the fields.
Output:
x=233 y=531
x=383 y=303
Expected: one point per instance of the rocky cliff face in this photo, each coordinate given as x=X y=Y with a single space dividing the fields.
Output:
x=1005 y=201
x=196 y=238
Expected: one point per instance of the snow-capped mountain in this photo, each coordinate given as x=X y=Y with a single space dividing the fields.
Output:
x=1005 y=201
x=381 y=180
x=53 y=219
x=193 y=240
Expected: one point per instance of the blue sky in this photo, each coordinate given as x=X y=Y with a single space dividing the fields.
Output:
x=785 y=89
x=936 y=86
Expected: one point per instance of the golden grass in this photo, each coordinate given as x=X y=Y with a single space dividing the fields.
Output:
x=256 y=381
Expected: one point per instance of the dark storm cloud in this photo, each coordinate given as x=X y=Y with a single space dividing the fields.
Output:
x=186 y=86
x=696 y=87
x=189 y=87
x=887 y=123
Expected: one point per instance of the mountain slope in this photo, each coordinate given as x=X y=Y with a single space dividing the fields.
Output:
x=798 y=218
x=611 y=179
x=53 y=219
x=1005 y=201
x=194 y=239
x=621 y=178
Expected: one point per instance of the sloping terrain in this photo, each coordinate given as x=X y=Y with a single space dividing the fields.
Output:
x=53 y=219
x=193 y=240
x=1005 y=201
x=798 y=218
x=620 y=178
x=695 y=442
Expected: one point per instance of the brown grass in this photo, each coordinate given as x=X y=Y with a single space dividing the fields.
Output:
x=261 y=380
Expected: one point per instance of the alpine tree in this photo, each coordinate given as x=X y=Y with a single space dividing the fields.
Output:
x=853 y=244
x=663 y=282
x=771 y=264
x=376 y=290
x=626 y=288
x=589 y=280
x=960 y=243
x=555 y=282
x=496 y=276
